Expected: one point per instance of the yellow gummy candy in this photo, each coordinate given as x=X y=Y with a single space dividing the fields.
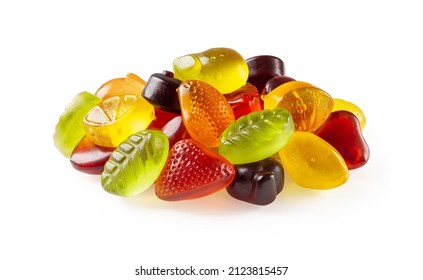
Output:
x=308 y=105
x=223 y=68
x=340 y=104
x=312 y=162
x=116 y=118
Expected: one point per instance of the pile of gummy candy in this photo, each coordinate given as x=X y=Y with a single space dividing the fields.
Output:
x=216 y=122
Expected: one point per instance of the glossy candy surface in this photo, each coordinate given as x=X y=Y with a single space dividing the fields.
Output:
x=223 y=68
x=192 y=171
x=70 y=130
x=90 y=158
x=256 y=136
x=312 y=162
x=160 y=90
x=274 y=83
x=244 y=100
x=206 y=112
x=131 y=84
x=257 y=182
x=340 y=104
x=162 y=117
x=114 y=119
x=136 y=163
x=308 y=105
x=342 y=131
x=262 y=68
x=175 y=130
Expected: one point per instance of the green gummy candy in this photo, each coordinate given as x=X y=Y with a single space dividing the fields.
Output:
x=256 y=136
x=136 y=163
x=70 y=129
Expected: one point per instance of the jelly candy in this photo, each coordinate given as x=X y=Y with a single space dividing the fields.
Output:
x=340 y=104
x=244 y=100
x=206 y=112
x=130 y=85
x=114 y=119
x=162 y=117
x=70 y=130
x=256 y=136
x=274 y=83
x=223 y=68
x=161 y=92
x=257 y=182
x=175 y=130
x=312 y=162
x=90 y=158
x=192 y=171
x=262 y=68
x=308 y=105
x=342 y=131
x=136 y=163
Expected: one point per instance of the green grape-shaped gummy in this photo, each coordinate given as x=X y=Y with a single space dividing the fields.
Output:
x=70 y=128
x=256 y=136
x=136 y=163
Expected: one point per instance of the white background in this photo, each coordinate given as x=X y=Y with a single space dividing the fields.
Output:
x=57 y=223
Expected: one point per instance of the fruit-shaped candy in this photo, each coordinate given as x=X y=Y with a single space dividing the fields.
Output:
x=308 y=105
x=257 y=182
x=342 y=131
x=256 y=136
x=262 y=68
x=192 y=171
x=161 y=92
x=70 y=130
x=274 y=83
x=223 y=68
x=130 y=85
x=244 y=100
x=89 y=158
x=175 y=130
x=162 y=117
x=340 y=104
x=136 y=163
x=206 y=112
x=312 y=162
x=114 y=119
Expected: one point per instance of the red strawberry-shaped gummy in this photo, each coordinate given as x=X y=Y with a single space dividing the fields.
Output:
x=342 y=130
x=193 y=171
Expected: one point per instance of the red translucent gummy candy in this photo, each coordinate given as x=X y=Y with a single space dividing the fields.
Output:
x=244 y=100
x=342 y=130
x=175 y=130
x=89 y=158
x=162 y=118
x=192 y=171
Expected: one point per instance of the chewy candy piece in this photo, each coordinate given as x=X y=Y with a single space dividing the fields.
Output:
x=257 y=182
x=161 y=92
x=90 y=158
x=223 y=68
x=308 y=105
x=116 y=118
x=262 y=68
x=136 y=163
x=175 y=130
x=244 y=100
x=206 y=112
x=274 y=83
x=256 y=136
x=340 y=104
x=193 y=171
x=312 y=162
x=70 y=130
x=162 y=118
x=130 y=85
x=342 y=131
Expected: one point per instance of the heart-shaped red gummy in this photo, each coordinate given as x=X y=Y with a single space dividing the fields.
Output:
x=192 y=171
x=342 y=130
